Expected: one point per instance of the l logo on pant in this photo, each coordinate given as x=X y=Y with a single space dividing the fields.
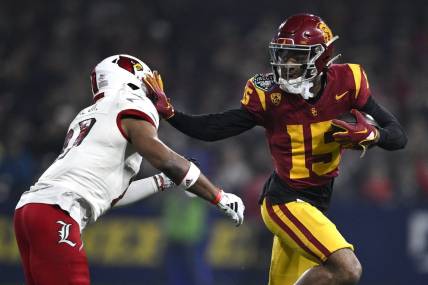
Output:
x=64 y=233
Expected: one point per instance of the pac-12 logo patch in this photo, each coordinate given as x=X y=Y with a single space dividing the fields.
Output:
x=314 y=111
x=64 y=232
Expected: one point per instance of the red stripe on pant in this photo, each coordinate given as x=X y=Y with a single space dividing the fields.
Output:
x=50 y=246
x=304 y=230
x=290 y=232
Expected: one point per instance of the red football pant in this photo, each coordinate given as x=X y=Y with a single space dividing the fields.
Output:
x=50 y=246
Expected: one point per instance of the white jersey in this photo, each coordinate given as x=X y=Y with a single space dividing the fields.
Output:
x=97 y=162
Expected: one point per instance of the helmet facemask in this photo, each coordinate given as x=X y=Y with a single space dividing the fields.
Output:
x=294 y=67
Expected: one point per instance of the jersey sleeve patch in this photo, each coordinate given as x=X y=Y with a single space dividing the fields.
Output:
x=134 y=114
x=263 y=81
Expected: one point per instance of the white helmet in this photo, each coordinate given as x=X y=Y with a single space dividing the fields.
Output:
x=116 y=71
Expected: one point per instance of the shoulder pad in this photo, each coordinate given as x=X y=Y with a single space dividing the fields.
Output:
x=131 y=101
x=263 y=81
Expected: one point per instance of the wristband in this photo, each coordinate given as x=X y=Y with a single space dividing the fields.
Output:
x=191 y=176
x=217 y=197
x=159 y=182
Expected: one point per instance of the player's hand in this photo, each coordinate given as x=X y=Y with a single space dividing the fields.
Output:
x=157 y=95
x=360 y=135
x=232 y=206
x=163 y=182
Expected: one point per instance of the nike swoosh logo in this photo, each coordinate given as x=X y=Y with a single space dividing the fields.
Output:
x=362 y=132
x=339 y=96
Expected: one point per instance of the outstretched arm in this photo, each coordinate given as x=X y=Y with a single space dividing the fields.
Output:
x=143 y=136
x=212 y=127
x=208 y=127
x=143 y=188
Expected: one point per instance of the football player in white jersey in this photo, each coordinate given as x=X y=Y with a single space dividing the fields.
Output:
x=102 y=152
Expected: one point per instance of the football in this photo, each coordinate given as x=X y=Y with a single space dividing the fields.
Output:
x=350 y=119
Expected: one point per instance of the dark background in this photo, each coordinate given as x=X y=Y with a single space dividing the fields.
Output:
x=205 y=52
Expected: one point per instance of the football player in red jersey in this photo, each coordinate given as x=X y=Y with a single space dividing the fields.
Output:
x=297 y=104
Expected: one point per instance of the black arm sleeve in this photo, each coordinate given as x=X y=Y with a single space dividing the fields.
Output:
x=392 y=135
x=212 y=127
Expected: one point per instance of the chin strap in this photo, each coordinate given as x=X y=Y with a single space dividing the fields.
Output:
x=299 y=87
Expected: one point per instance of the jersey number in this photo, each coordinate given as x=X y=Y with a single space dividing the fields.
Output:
x=320 y=148
x=83 y=128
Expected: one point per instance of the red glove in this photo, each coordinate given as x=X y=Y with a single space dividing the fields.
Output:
x=359 y=135
x=156 y=94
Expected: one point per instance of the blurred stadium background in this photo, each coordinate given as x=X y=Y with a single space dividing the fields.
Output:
x=206 y=51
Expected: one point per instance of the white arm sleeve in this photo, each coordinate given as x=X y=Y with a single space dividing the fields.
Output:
x=138 y=190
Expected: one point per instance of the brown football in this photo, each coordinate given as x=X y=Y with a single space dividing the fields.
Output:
x=350 y=118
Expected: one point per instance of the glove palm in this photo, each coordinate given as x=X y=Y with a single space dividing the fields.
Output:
x=156 y=94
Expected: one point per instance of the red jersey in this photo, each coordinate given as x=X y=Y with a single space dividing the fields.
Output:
x=299 y=133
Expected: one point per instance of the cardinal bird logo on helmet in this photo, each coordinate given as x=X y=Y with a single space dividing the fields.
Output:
x=119 y=70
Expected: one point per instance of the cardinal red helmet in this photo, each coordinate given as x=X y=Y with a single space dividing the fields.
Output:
x=301 y=49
